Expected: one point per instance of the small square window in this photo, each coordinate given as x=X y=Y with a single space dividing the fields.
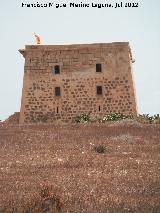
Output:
x=98 y=67
x=99 y=90
x=57 y=91
x=56 y=69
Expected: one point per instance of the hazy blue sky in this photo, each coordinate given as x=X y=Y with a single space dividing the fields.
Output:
x=140 y=26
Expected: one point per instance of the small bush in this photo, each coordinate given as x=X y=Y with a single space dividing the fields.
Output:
x=51 y=201
x=146 y=118
x=113 y=117
x=85 y=117
x=100 y=149
x=46 y=190
x=51 y=204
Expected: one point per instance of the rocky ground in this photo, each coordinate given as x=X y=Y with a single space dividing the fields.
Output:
x=59 y=168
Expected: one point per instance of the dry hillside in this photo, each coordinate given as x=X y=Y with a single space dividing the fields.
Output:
x=58 y=168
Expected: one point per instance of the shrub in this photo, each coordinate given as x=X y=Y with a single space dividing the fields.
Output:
x=146 y=118
x=51 y=201
x=100 y=148
x=113 y=117
x=84 y=117
x=51 y=204
x=46 y=190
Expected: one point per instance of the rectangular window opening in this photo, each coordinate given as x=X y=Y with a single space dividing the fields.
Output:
x=57 y=91
x=99 y=90
x=98 y=67
x=56 y=69
x=99 y=108
x=57 y=110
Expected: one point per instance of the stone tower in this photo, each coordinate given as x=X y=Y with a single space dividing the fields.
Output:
x=62 y=81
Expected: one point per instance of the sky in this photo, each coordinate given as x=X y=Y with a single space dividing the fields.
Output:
x=140 y=26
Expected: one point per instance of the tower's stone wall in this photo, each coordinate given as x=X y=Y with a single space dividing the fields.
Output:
x=78 y=81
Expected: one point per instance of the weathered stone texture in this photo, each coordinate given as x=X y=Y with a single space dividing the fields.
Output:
x=78 y=80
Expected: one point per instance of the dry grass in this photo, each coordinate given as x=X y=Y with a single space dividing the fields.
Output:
x=55 y=168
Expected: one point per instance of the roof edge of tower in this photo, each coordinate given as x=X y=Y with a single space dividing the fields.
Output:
x=22 y=51
x=75 y=46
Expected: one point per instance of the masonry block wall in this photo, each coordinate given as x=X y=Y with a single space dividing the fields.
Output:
x=62 y=81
